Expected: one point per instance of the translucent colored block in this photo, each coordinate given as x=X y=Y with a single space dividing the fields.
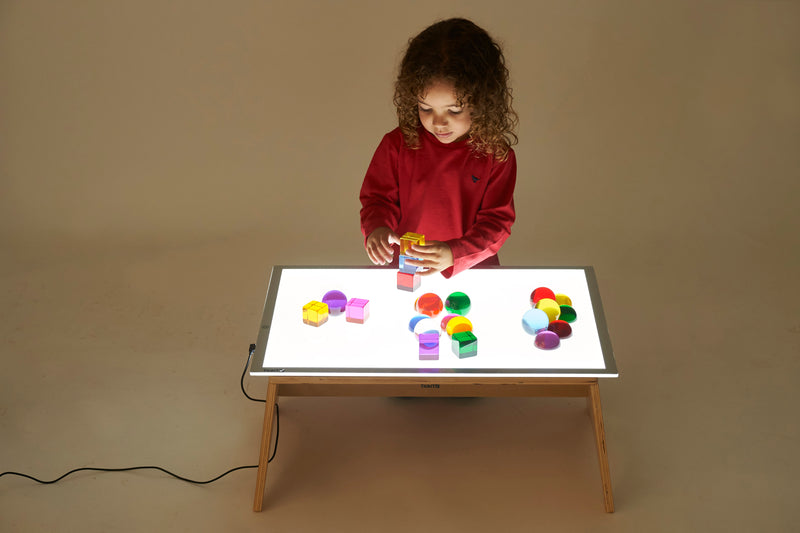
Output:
x=315 y=313
x=426 y=325
x=541 y=292
x=429 y=346
x=357 y=310
x=534 y=321
x=445 y=320
x=465 y=344
x=409 y=239
x=560 y=328
x=568 y=314
x=549 y=306
x=429 y=304
x=546 y=340
x=336 y=300
x=407 y=281
x=458 y=303
x=458 y=324
x=563 y=299
x=413 y=322
x=406 y=267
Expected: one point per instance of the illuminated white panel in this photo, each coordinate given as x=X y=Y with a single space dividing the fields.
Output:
x=384 y=346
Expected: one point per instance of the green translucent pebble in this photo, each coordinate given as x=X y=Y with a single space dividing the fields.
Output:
x=568 y=314
x=458 y=302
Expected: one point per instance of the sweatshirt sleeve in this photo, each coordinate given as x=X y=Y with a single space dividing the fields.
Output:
x=493 y=221
x=380 y=194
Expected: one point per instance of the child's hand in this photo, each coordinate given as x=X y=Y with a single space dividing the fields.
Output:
x=434 y=255
x=379 y=245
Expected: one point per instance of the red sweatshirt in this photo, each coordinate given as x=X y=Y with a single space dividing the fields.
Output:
x=443 y=191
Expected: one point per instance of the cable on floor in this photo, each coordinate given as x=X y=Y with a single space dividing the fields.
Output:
x=251 y=350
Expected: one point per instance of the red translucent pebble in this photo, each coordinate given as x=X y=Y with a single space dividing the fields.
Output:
x=541 y=292
x=446 y=319
x=560 y=328
x=429 y=304
x=547 y=340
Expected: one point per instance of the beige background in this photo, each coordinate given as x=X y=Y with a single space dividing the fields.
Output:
x=157 y=158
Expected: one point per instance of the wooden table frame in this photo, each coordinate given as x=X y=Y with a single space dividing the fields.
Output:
x=434 y=387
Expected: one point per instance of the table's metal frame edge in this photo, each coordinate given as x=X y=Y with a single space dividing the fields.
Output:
x=257 y=362
x=600 y=321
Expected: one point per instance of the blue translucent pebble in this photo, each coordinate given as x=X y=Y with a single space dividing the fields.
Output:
x=413 y=323
x=534 y=321
x=427 y=325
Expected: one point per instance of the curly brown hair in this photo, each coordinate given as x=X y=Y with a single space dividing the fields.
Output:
x=460 y=52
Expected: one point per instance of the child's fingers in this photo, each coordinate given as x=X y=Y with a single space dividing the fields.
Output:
x=379 y=247
x=380 y=252
x=434 y=256
x=424 y=251
x=378 y=255
x=429 y=271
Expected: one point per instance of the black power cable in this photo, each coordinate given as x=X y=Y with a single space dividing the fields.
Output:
x=250 y=352
x=274 y=451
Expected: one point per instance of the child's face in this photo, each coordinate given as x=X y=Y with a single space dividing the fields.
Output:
x=441 y=115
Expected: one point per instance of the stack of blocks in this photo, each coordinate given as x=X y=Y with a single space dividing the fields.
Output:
x=408 y=278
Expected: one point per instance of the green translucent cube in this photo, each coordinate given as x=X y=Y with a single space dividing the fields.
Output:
x=465 y=344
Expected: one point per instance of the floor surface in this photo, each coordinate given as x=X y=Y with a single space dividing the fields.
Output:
x=128 y=356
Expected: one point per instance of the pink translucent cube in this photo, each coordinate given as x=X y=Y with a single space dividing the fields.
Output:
x=357 y=310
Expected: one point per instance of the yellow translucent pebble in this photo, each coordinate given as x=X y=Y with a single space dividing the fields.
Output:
x=458 y=324
x=563 y=299
x=549 y=306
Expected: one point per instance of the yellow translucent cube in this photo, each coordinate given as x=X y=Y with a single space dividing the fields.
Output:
x=315 y=313
x=408 y=239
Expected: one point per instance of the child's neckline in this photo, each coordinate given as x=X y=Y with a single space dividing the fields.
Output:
x=431 y=139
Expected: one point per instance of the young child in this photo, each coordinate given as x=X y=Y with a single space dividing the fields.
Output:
x=448 y=171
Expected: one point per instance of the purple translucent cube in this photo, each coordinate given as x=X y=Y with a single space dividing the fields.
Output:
x=428 y=346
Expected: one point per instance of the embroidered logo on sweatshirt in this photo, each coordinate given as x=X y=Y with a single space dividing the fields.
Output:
x=475 y=179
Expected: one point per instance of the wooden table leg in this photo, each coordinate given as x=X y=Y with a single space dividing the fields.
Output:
x=600 y=441
x=266 y=437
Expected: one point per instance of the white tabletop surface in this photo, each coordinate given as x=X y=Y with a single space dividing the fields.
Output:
x=384 y=345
